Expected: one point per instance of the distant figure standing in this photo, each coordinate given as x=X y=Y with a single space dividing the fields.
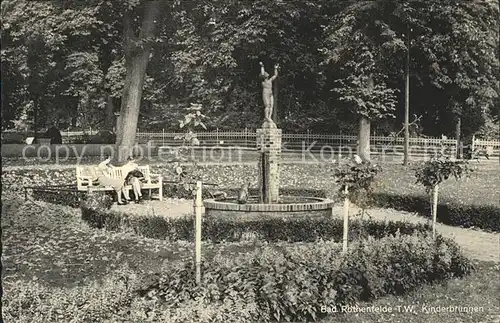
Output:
x=55 y=136
x=267 y=91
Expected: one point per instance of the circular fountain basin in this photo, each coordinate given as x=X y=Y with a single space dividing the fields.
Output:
x=288 y=206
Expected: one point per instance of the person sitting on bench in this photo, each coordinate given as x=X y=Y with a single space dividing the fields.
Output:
x=104 y=178
x=133 y=178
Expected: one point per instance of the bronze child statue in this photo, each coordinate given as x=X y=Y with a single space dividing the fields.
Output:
x=267 y=91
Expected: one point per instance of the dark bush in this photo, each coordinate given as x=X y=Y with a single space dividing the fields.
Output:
x=13 y=138
x=294 y=283
x=54 y=135
x=486 y=217
x=103 y=137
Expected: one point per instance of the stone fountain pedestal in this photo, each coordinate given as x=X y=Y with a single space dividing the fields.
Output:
x=269 y=147
x=268 y=204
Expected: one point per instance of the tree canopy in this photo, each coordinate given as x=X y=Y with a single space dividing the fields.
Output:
x=65 y=62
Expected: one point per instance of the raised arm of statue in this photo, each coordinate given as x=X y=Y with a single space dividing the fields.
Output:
x=275 y=72
x=262 y=70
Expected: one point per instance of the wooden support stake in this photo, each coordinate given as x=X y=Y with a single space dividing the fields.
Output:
x=346 y=220
x=198 y=204
x=435 y=190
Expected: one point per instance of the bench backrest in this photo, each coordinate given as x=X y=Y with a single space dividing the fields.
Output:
x=86 y=171
x=116 y=172
x=145 y=171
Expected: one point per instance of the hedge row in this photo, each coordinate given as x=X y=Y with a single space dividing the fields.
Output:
x=295 y=283
x=72 y=198
x=218 y=230
x=486 y=217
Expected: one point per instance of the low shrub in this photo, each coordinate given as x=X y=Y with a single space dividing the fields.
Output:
x=294 y=283
x=289 y=284
x=485 y=217
x=99 y=301
x=113 y=299
x=97 y=201
x=218 y=230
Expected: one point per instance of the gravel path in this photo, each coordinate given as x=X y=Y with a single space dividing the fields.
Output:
x=476 y=244
x=168 y=207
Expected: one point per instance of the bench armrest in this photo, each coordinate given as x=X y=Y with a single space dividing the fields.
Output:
x=88 y=180
x=156 y=177
x=86 y=177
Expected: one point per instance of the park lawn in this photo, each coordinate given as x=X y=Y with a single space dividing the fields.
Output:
x=51 y=244
x=480 y=189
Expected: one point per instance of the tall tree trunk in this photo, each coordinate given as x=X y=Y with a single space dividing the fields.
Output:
x=109 y=113
x=458 y=135
x=136 y=62
x=35 y=119
x=364 y=138
x=364 y=130
x=406 y=149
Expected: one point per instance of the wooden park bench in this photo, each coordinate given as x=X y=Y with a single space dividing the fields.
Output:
x=86 y=179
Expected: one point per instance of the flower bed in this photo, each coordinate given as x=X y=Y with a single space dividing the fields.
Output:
x=293 y=284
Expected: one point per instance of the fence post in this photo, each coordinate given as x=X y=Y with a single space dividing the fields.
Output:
x=340 y=147
x=473 y=144
x=163 y=137
x=198 y=204
x=346 y=219
x=217 y=136
x=246 y=137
